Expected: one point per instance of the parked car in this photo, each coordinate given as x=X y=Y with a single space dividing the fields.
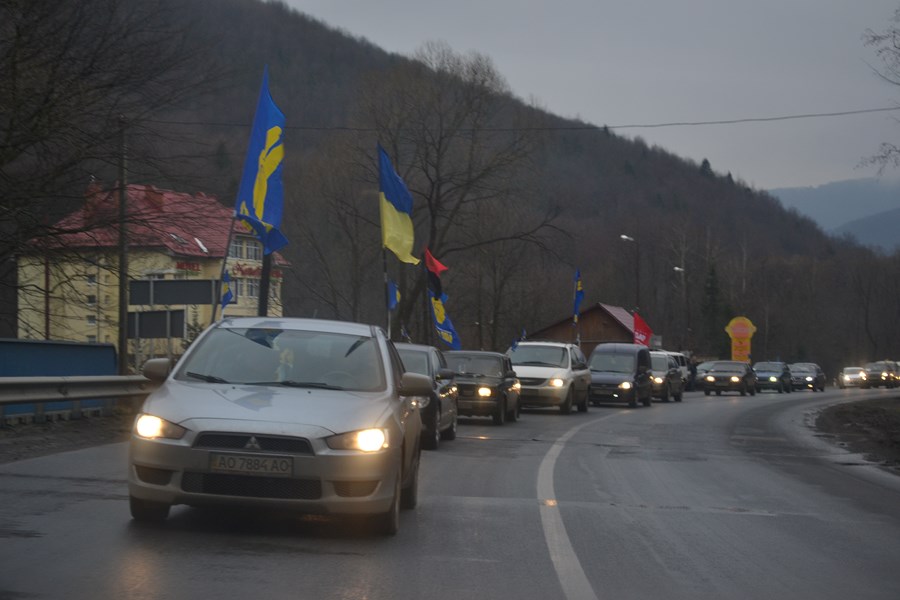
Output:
x=666 y=378
x=488 y=386
x=852 y=377
x=880 y=374
x=551 y=374
x=773 y=375
x=620 y=373
x=730 y=376
x=280 y=413
x=440 y=408
x=807 y=376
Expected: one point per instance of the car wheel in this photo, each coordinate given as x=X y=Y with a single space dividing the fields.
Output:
x=743 y=390
x=566 y=407
x=752 y=390
x=513 y=415
x=665 y=394
x=648 y=401
x=677 y=397
x=389 y=523
x=450 y=432
x=409 y=494
x=706 y=392
x=718 y=392
x=432 y=435
x=499 y=415
x=583 y=405
x=147 y=511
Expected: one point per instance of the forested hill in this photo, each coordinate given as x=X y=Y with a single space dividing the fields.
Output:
x=511 y=198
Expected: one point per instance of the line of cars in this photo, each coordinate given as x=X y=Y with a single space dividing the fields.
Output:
x=736 y=376
x=881 y=373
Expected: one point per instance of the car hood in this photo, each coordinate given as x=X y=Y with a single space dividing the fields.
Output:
x=610 y=377
x=769 y=373
x=538 y=372
x=483 y=380
x=274 y=409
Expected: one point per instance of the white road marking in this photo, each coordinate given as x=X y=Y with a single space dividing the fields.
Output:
x=568 y=568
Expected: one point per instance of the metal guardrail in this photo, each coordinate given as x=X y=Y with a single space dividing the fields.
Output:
x=39 y=391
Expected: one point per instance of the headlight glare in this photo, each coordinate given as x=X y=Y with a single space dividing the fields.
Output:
x=484 y=392
x=773 y=379
x=658 y=379
x=152 y=427
x=557 y=382
x=710 y=378
x=364 y=440
x=735 y=379
x=625 y=385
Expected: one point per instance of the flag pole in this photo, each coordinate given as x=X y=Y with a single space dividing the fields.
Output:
x=387 y=300
x=216 y=301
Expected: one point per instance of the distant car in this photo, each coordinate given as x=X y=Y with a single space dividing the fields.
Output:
x=851 y=377
x=684 y=366
x=280 y=413
x=438 y=410
x=773 y=375
x=807 y=376
x=551 y=374
x=488 y=386
x=700 y=373
x=666 y=377
x=880 y=374
x=729 y=376
x=621 y=373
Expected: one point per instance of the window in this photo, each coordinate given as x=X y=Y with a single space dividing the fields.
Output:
x=91 y=299
x=92 y=339
x=237 y=249
x=254 y=251
x=252 y=288
x=92 y=319
x=92 y=279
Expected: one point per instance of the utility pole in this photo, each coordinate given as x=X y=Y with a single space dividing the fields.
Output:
x=123 y=253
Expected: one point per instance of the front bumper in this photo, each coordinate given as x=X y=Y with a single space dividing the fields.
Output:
x=543 y=395
x=324 y=481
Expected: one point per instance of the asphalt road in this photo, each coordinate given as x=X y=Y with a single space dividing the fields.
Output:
x=713 y=498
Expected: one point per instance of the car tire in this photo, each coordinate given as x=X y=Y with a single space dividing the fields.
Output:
x=706 y=392
x=752 y=390
x=583 y=405
x=665 y=394
x=648 y=401
x=677 y=397
x=718 y=392
x=499 y=415
x=513 y=414
x=743 y=390
x=450 y=433
x=566 y=407
x=147 y=511
x=409 y=494
x=432 y=435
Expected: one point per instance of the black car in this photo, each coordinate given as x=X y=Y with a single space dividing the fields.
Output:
x=488 y=386
x=880 y=374
x=620 y=373
x=439 y=411
x=773 y=375
x=666 y=378
x=807 y=376
x=730 y=376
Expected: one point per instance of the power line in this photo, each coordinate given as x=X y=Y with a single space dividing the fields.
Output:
x=346 y=128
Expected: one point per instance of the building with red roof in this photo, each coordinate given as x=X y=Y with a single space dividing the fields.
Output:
x=69 y=281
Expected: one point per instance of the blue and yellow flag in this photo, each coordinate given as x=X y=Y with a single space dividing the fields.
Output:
x=442 y=323
x=579 y=296
x=260 y=201
x=393 y=295
x=397 y=233
x=227 y=294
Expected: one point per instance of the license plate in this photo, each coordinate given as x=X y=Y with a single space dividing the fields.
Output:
x=279 y=466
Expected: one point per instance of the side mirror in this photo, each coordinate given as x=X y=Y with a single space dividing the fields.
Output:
x=510 y=374
x=157 y=369
x=415 y=384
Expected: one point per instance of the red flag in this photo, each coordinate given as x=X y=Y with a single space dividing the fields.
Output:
x=433 y=264
x=642 y=331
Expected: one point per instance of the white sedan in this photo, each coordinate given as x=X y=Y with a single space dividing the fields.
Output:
x=304 y=414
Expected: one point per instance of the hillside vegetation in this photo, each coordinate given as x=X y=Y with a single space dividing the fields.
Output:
x=511 y=198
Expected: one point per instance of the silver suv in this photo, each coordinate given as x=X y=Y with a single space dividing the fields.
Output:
x=551 y=374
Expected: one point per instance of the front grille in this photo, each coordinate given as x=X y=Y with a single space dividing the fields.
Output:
x=354 y=489
x=531 y=380
x=249 y=486
x=153 y=476
x=266 y=443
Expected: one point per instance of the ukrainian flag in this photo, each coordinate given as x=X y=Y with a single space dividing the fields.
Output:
x=396 y=211
x=260 y=201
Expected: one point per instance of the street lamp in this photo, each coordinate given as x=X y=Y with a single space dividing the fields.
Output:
x=637 y=269
x=687 y=325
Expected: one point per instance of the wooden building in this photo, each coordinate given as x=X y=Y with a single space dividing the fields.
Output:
x=596 y=324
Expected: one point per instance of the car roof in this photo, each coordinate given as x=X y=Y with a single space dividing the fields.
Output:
x=474 y=353
x=416 y=347
x=545 y=343
x=618 y=347
x=296 y=323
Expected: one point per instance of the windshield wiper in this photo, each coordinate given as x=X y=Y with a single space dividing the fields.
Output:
x=206 y=378
x=298 y=384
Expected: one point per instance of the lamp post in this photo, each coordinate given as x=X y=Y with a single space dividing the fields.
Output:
x=684 y=303
x=637 y=269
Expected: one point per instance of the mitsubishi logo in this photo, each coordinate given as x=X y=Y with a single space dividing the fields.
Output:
x=252 y=444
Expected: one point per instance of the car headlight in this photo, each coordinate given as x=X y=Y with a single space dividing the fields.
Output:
x=557 y=382
x=809 y=378
x=884 y=375
x=364 y=440
x=484 y=392
x=735 y=379
x=773 y=379
x=862 y=376
x=710 y=378
x=625 y=385
x=657 y=379
x=151 y=427
x=517 y=386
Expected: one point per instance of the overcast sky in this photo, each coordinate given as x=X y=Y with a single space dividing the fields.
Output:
x=644 y=62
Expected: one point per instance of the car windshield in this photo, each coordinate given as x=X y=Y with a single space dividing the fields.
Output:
x=314 y=359
x=659 y=362
x=876 y=366
x=767 y=366
x=852 y=370
x=490 y=366
x=543 y=356
x=609 y=362
x=727 y=367
x=414 y=360
x=802 y=369
x=705 y=366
